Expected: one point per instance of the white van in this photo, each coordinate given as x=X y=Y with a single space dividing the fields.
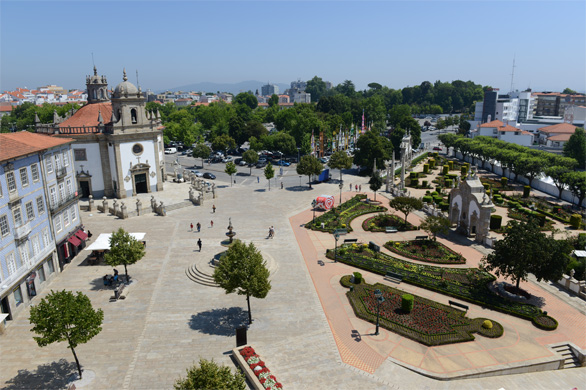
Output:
x=170 y=150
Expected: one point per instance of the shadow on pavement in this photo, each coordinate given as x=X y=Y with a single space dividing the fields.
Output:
x=54 y=375
x=260 y=190
x=221 y=322
x=298 y=188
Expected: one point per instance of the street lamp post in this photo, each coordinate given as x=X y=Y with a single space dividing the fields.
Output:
x=379 y=299
x=298 y=151
x=337 y=237
x=341 y=185
x=313 y=204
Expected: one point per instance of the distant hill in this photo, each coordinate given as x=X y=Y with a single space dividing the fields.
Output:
x=235 y=89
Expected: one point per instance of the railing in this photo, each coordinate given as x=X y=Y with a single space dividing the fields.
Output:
x=61 y=172
x=13 y=196
x=57 y=205
x=22 y=231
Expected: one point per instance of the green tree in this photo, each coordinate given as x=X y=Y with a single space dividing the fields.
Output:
x=124 y=250
x=577 y=184
x=202 y=151
x=406 y=205
x=210 y=376
x=530 y=167
x=244 y=271
x=398 y=113
x=309 y=165
x=576 y=147
x=251 y=157
x=376 y=182
x=340 y=160
x=434 y=225
x=525 y=249
x=223 y=142
x=569 y=91
x=283 y=142
x=63 y=316
x=230 y=170
x=247 y=99
x=274 y=100
x=558 y=175
x=316 y=87
x=269 y=173
x=370 y=147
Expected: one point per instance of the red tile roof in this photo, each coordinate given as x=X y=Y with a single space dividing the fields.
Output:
x=494 y=123
x=88 y=115
x=21 y=143
x=5 y=108
x=560 y=137
x=559 y=128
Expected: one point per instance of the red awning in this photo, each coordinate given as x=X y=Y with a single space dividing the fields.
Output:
x=81 y=234
x=74 y=240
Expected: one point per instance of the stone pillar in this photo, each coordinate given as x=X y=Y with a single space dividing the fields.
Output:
x=138 y=207
x=115 y=207
x=123 y=211
x=105 y=204
x=153 y=204
x=91 y=203
x=162 y=208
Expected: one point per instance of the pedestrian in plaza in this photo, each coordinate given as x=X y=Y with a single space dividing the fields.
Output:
x=272 y=232
x=360 y=188
x=198 y=227
x=191 y=226
x=258 y=179
x=356 y=187
x=211 y=223
x=281 y=185
x=350 y=186
x=214 y=208
x=199 y=244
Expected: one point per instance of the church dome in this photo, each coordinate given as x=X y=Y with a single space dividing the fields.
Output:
x=125 y=87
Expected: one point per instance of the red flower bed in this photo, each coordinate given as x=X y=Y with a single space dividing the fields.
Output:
x=260 y=370
x=426 y=250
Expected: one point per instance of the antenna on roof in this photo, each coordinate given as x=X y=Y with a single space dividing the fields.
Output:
x=93 y=63
x=513 y=73
x=137 y=78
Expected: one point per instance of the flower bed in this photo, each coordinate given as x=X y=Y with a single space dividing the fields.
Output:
x=381 y=221
x=340 y=217
x=429 y=322
x=426 y=250
x=469 y=284
x=256 y=369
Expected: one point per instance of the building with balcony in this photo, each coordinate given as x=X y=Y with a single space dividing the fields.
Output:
x=28 y=254
x=499 y=130
x=118 y=149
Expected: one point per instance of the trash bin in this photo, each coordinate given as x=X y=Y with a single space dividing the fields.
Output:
x=351 y=288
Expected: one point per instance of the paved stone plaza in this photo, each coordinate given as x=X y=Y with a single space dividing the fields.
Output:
x=301 y=329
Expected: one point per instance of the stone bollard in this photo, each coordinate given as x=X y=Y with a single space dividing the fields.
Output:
x=123 y=211
x=138 y=207
x=105 y=204
x=91 y=203
x=162 y=210
x=153 y=204
x=115 y=206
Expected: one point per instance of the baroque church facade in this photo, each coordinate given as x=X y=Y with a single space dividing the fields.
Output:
x=118 y=148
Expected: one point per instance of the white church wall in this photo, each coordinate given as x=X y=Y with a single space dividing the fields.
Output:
x=128 y=158
x=93 y=166
x=472 y=208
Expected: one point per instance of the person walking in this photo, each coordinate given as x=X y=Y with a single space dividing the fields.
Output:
x=360 y=188
x=281 y=185
x=212 y=223
x=350 y=186
x=272 y=232
x=356 y=187
x=198 y=227
x=214 y=209
x=191 y=226
x=199 y=244
x=258 y=179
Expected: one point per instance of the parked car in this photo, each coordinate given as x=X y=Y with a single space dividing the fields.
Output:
x=243 y=163
x=261 y=164
x=170 y=150
x=437 y=148
x=195 y=172
x=209 y=175
x=282 y=163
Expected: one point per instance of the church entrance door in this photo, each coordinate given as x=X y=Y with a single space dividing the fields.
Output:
x=140 y=181
x=85 y=188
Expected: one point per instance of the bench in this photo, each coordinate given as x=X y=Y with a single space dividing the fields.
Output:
x=372 y=246
x=421 y=237
x=391 y=229
x=453 y=303
x=350 y=240
x=395 y=277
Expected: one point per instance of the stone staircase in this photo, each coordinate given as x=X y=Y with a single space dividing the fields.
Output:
x=571 y=360
x=177 y=206
x=195 y=274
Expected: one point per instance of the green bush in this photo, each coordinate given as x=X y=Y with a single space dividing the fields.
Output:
x=407 y=302
x=445 y=169
x=526 y=191
x=438 y=188
x=437 y=199
x=414 y=182
x=424 y=183
x=425 y=168
x=495 y=191
x=486 y=186
x=427 y=199
x=495 y=221
x=435 y=154
x=431 y=163
x=497 y=199
x=413 y=175
x=357 y=277
x=451 y=165
x=444 y=206
x=448 y=183
x=434 y=193
x=575 y=221
x=504 y=181
x=464 y=170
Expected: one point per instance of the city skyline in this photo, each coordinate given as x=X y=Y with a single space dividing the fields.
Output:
x=396 y=44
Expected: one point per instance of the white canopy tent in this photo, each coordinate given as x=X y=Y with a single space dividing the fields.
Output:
x=103 y=241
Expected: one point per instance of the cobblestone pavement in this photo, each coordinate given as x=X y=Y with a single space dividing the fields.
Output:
x=168 y=322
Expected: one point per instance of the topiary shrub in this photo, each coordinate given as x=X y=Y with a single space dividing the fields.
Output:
x=427 y=199
x=414 y=182
x=445 y=170
x=495 y=221
x=434 y=193
x=463 y=170
x=413 y=175
x=438 y=188
x=575 y=221
x=425 y=168
x=451 y=165
x=497 y=199
x=431 y=163
x=444 y=206
x=486 y=186
x=407 y=302
x=545 y=322
x=424 y=183
x=487 y=324
x=357 y=277
x=437 y=199
x=504 y=181
x=495 y=191
x=448 y=183
x=526 y=191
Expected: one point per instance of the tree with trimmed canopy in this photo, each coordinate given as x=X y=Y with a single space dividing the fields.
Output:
x=406 y=204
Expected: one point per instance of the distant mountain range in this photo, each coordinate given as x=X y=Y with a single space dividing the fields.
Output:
x=243 y=86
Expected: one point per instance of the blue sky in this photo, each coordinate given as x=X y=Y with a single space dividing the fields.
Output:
x=394 y=43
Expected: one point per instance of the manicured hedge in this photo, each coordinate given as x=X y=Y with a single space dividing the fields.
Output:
x=495 y=221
